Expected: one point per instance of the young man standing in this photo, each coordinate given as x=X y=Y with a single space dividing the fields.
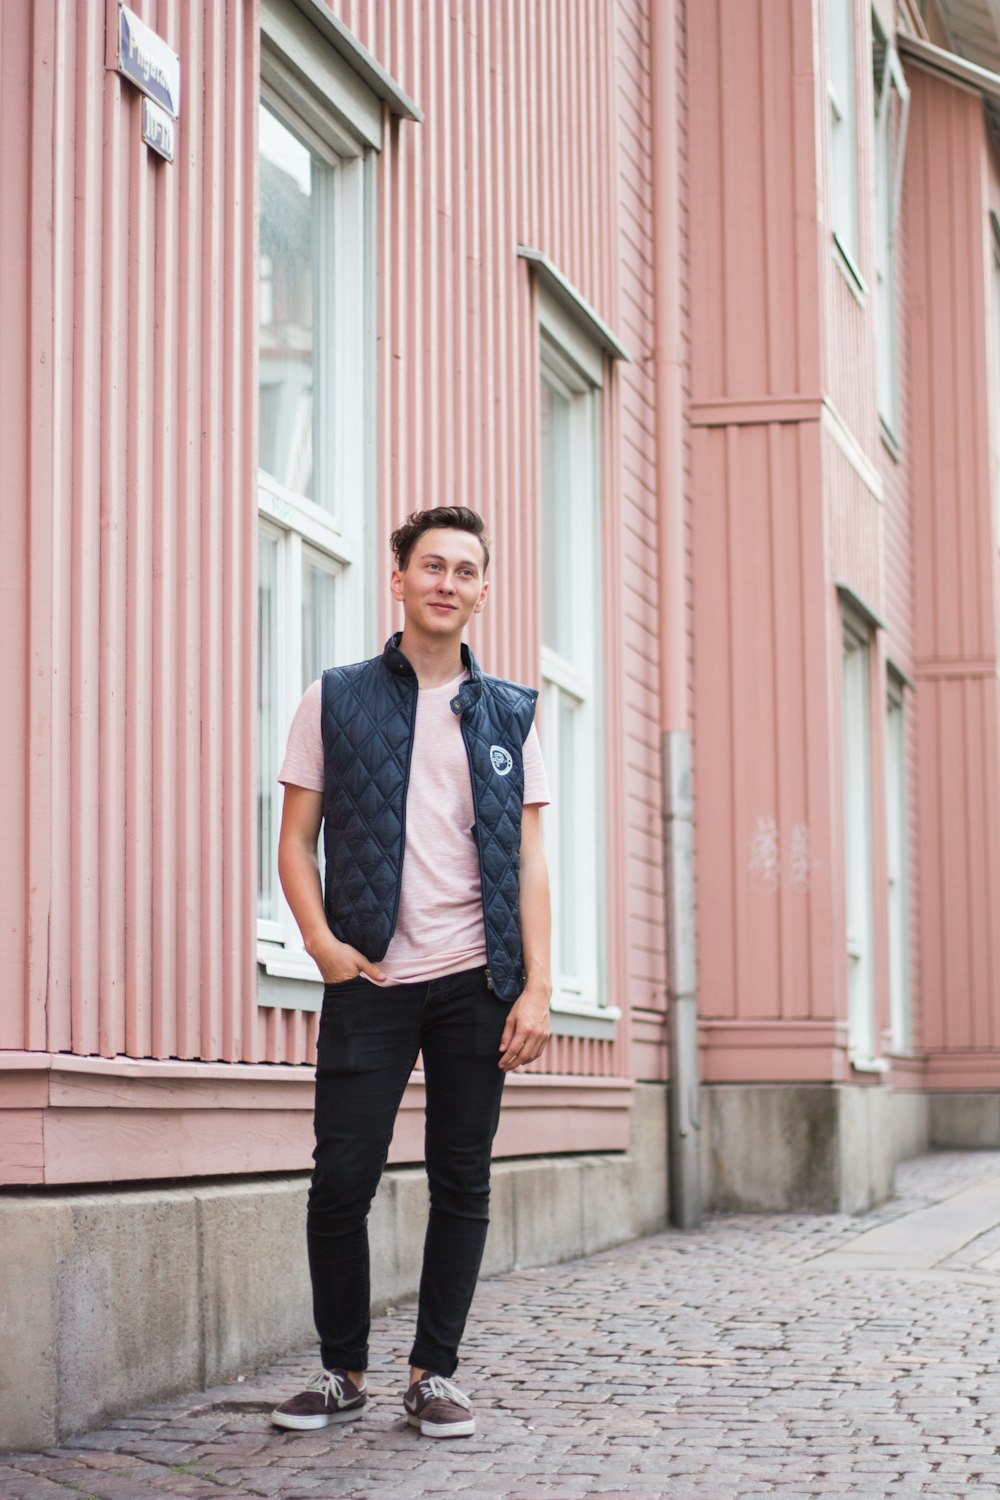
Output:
x=432 y=936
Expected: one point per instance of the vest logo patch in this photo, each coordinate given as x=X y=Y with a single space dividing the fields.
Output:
x=502 y=760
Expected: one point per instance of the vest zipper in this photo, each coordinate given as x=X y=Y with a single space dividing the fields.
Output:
x=479 y=852
x=402 y=819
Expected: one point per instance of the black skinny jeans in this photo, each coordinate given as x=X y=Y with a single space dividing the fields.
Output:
x=369 y=1038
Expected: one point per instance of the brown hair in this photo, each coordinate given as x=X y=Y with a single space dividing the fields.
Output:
x=452 y=517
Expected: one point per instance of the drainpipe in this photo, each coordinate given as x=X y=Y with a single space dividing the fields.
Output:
x=675 y=740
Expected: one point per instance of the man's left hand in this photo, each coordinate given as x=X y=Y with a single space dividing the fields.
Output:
x=527 y=1029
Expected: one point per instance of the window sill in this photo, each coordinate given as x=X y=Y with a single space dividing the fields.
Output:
x=869 y=1065
x=275 y=960
x=570 y=1016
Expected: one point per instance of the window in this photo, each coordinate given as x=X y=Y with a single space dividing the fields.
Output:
x=843 y=132
x=571 y=636
x=313 y=490
x=861 y=1032
x=899 y=935
x=892 y=102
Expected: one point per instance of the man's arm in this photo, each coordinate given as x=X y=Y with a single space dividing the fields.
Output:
x=298 y=870
x=527 y=1030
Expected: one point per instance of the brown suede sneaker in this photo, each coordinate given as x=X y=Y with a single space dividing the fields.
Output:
x=331 y=1396
x=439 y=1408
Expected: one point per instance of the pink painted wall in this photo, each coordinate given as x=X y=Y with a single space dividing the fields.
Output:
x=554 y=156
x=127 y=576
x=129 y=293
x=762 y=695
x=794 y=494
x=956 y=595
x=135 y=510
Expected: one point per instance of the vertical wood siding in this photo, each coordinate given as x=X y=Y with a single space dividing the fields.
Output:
x=762 y=746
x=536 y=133
x=18 y=374
x=898 y=555
x=955 y=635
x=132 y=679
x=640 y=924
x=141 y=513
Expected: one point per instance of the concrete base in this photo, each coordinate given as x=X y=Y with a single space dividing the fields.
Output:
x=965 y=1121
x=116 y=1299
x=818 y=1148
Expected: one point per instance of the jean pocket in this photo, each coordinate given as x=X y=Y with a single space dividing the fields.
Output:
x=341 y=985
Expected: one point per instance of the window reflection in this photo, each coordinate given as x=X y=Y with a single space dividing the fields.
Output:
x=289 y=182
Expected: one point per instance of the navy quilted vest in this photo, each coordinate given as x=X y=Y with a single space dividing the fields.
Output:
x=369 y=712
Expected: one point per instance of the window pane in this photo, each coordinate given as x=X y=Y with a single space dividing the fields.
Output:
x=267 y=728
x=840 y=76
x=557 y=520
x=289 y=204
x=319 y=618
x=569 y=810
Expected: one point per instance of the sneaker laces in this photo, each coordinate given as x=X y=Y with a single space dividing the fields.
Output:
x=330 y=1384
x=437 y=1385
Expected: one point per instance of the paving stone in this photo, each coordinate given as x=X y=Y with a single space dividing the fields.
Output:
x=717 y=1365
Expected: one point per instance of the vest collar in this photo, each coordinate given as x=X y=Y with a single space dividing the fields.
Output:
x=469 y=692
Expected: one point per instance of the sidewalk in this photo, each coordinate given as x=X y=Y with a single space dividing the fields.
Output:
x=762 y=1355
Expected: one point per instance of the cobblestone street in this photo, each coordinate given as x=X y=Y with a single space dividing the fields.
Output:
x=785 y=1355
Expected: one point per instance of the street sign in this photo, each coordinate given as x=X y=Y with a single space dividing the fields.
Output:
x=145 y=60
x=158 y=129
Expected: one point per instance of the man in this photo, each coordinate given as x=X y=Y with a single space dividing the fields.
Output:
x=432 y=936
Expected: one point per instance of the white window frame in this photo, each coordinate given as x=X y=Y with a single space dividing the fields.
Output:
x=897 y=867
x=888 y=194
x=859 y=906
x=841 y=88
x=574 y=367
x=336 y=125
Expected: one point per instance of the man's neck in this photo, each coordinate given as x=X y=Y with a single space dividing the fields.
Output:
x=435 y=662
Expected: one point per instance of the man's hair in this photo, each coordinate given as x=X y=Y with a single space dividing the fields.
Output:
x=452 y=517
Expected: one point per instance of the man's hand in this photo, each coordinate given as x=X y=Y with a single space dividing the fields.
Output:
x=527 y=1028
x=338 y=961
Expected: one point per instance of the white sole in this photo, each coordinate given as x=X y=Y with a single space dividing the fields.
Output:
x=437 y=1430
x=313 y=1424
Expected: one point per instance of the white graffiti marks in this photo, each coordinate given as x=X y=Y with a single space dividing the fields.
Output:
x=765 y=857
x=800 y=861
x=765 y=861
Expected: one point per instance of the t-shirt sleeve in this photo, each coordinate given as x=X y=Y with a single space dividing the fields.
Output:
x=536 y=783
x=303 y=762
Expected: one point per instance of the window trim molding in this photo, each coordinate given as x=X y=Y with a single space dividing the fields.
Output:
x=308 y=54
x=582 y=318
x=949 y=66
x=858 y=628
x=568 y=358
x=358 y=58
x=858 y=605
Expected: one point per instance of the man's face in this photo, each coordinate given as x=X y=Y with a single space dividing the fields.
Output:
x=442 y=585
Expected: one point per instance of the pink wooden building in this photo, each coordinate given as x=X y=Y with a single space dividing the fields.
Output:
x=699 y=304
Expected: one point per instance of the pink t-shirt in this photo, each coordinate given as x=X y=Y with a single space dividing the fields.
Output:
x=439 y=928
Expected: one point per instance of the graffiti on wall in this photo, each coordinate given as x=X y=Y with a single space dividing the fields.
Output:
x=765 y=866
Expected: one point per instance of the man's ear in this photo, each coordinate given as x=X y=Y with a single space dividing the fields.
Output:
x=396 y=584
x=481 y=601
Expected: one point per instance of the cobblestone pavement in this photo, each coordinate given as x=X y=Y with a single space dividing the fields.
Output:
x=744 y=1359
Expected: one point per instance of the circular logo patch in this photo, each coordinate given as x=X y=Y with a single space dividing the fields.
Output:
x=503 y=761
